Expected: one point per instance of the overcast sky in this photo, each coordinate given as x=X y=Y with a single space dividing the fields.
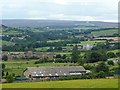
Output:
x=83 y=10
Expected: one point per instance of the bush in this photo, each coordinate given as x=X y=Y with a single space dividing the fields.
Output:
x=111 y=55
x=9 y=78
x=5 y=58
x=70 y=78
x=101 y=74
x=111 y=73
x=3 y=66
x=102 y=67
x=88 y=67
x=96 y=56
x=110 y=62
x=118 y=54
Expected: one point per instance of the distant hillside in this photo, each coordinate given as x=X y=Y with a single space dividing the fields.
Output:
x=37 y=23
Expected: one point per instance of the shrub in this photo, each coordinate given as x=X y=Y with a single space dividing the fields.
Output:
x=118 y=54
x=5 y=58
x=102 y=67
x=101 y=74
x=9 y=78
x=111 y=55
x=110 y=62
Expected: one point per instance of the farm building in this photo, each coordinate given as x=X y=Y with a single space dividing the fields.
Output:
x=53 y=72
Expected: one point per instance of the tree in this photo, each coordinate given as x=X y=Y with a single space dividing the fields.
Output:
x=101 y=74
x=111 y=54
x=81 y=61
x=102 y=67
x=64 y=56
x=9 y=78
x=4 y=57
x=3 y=73
x=96 y=56
x=7 y=74
x=110 y=62
x=118 y=54
x=3 y=66
x=75 y=56
x=58 y=56
x=88 y=67
x=50 y=49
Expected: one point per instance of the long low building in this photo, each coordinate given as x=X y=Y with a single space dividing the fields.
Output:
x=53 y=72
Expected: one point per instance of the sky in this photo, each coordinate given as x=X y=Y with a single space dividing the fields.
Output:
x=81 y=10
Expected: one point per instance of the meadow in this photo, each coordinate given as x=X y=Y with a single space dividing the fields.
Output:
x=89 y=42
x=2 y=42
x=105 y=32
x=92 y=83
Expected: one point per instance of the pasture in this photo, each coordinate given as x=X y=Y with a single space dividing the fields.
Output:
x=89 y=42
x=91 y=83
x=105 y=32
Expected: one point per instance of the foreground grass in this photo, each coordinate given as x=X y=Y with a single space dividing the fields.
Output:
x=94 y=83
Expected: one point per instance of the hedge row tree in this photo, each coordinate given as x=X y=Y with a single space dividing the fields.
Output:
x=3 y=68
x=4 y=57
x=75 y=56
x=9 y=78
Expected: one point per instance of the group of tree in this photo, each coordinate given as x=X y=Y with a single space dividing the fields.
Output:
x=95 y=56
x=106 y=46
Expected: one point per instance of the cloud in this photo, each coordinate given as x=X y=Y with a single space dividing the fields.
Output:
x=60 y=9
x=61 y=2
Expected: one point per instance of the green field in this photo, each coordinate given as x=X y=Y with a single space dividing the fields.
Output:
x=89 y=42
x=51 y=41
x=2 y=42
x=115 y=51
x=93 y=83
x=105 y=32
x=42 y=49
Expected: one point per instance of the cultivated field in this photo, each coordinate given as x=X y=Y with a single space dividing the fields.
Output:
x=95 y=83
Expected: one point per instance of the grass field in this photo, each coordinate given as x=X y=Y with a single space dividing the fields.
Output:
x=94 y=83
x=89 y=42
x=105 y=32
x=51 y=41
x=2 y=42
x=115 y=51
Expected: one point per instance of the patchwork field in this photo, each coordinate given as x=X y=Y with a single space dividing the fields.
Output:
x=95 y=83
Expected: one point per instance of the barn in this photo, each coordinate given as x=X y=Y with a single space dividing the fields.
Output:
x=53 y=72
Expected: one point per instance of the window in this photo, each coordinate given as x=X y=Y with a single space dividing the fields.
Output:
x=50 y=74
x=35 y=72
x=56 y=74
x=64 y=73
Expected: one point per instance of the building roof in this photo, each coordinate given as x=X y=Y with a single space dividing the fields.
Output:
x=56 y=71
